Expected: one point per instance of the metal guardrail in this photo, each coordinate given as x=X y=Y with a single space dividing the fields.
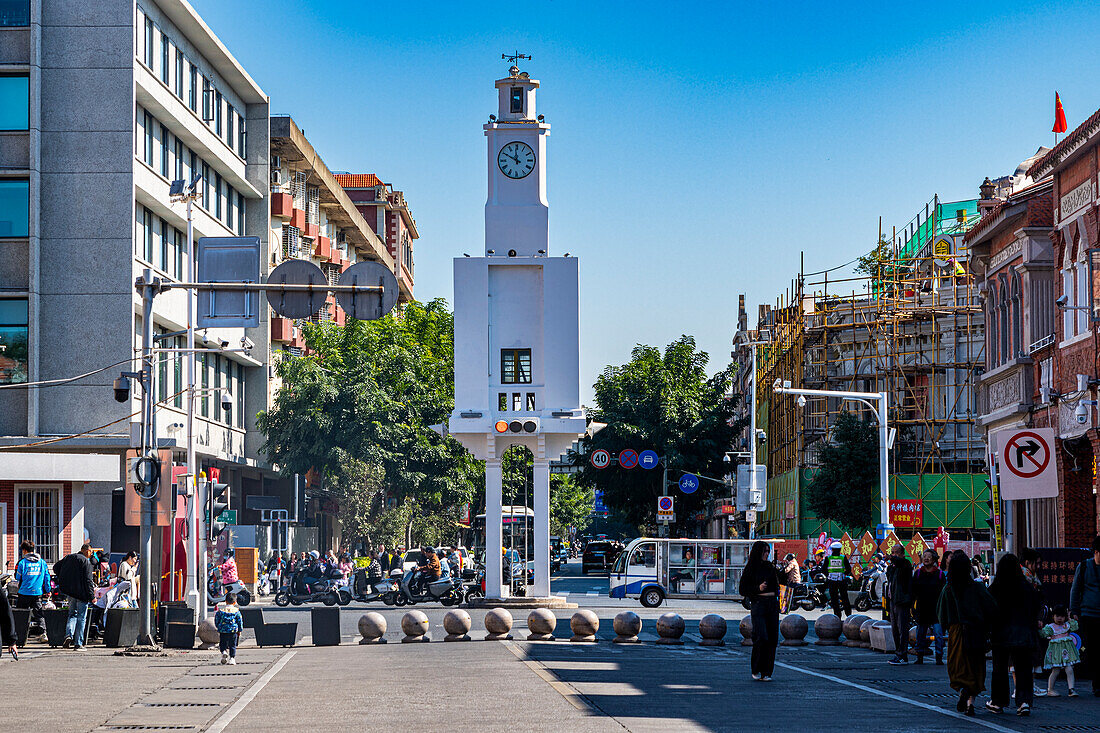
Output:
x=1041 y=344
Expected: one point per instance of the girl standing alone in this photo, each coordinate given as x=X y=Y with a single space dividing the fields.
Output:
x=1062 y=651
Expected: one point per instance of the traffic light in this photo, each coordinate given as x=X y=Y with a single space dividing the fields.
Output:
x=217 y=501
x=527 y=425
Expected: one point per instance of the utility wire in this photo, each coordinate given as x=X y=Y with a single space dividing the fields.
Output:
x=62 y=380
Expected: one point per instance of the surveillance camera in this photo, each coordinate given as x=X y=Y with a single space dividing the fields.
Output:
x=777 y=384
x=761 y=435
x=801 y=401
x=1061 y=301
x=223 y=343
x=1082 y=414
x=226 y=399
x=122 y=389
x=247 y=344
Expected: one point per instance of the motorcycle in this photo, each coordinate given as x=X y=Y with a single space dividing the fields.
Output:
x=364 y=591
x=447 y=590
x=216 y=590
x=297 y=591
x=871 y=587
x=809 y=596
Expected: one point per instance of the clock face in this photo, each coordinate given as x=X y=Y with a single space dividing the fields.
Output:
x=516 y=160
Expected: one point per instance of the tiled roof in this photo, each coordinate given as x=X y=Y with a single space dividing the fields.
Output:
x=1080 y=133
x=358 y=180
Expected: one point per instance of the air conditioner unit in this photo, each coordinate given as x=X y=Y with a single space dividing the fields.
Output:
x=276 y=176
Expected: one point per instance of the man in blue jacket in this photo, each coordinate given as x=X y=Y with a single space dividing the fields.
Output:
x=33 y=575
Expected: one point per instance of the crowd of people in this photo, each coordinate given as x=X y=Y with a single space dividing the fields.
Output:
x=958 y=609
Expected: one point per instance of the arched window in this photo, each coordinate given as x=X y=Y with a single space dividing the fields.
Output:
x=1017 y=347
x=991 y=325
x=1004 y=326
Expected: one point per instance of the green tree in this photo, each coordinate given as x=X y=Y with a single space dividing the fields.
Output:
x=570 y=505
x=358 y=407
x=845 y=488
x=664 y=402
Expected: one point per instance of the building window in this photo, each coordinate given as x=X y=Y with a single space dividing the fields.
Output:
x=179 y=159
x=148 y=229
x=240 y=135
x=181 y=250
x=216 y=365
x=38 y=522
x=148 y=139
x=502 y=402
x=517 y=402
x=1068 y=318
x=206 y=187
x=530 y=406
x=1083 y=297
x=15 y=13
x=218 y=194
x=150 y=51
x=515 y=366
x=15 y=206
x=218 y=113
x=227 y=380
x=207 y=100
x=162 y=372
x=177 y=371
x=517 y=100
x=193 y=91
x=13 y=339
x=165 y=241
x=165 y=67
x=240 y=396
x=165 y=151
x=230 y=118
x=179 y=73
x=204 y=373
x=240 y=214
x=15 y=106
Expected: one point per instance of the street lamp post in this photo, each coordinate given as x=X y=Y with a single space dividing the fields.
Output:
x=880 y=413
x=752 y=429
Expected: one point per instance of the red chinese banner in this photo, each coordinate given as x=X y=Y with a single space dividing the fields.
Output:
x=916 y=548
x=889 y=543
x=906 y=513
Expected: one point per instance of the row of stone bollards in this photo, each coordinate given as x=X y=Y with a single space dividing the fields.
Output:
x=541 y=624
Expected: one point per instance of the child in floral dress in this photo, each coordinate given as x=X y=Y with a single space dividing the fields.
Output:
x=1062 y=651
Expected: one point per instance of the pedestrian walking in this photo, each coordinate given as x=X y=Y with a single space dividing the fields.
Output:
x=1084 y=607
x=899 y=581
x=928 y=582
x=966 y=610
x=229 y=623
x=33 y=575
x=1014 y=636
x=760 y=585
x=74 y=579
x=1061 y=651
x=837 y=571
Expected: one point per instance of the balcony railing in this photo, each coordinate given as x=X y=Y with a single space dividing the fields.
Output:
x=1041 y=344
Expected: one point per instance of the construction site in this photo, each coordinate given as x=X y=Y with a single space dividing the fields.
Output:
x=906 y=320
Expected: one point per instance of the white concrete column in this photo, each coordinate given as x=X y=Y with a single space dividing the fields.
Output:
x=494 y=481
x=540 y=488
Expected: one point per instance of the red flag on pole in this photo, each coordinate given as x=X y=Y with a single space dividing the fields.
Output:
x=1059 y=115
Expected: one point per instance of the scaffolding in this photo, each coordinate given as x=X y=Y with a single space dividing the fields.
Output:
x=910 y=324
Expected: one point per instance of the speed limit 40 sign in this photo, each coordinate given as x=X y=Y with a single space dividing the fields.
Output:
x=600 y=458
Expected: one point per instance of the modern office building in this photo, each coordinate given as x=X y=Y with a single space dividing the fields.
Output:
x=102 y=105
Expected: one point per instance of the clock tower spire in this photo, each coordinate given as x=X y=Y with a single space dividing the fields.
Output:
x=516 y=210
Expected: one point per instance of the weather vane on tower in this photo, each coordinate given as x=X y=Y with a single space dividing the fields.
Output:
x=514 y=57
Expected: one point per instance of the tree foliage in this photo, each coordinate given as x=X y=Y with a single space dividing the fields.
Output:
x=664 y=402
x=357 y=408
x=845 y=487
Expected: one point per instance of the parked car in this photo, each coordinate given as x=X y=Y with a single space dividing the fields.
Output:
x=599 y=556
x=410 y=560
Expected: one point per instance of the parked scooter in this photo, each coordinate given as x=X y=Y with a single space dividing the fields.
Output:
x=297 y=591
x=447 y=590
x=364 y=591
x=871 y=587
x=809 y=596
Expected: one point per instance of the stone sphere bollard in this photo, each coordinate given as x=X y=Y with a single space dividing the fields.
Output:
x=670 y=627
x=208 y=633
x=584 y=624
x=712 y=628
x=865 y=632
x=541 y=623
x=498 y=622
x=793 y=629
x=372 y=627
x=626 y=625
x=851 y=629
x=457 y=625
x=745 y=627
x=827 y=629
x=415 y=626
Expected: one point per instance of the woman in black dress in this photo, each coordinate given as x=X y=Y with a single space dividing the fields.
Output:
x=760 y=586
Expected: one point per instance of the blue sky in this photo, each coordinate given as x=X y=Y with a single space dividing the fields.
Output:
x=696 y=148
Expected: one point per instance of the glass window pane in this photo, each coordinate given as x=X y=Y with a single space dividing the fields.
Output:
x=13 y=338
x=15 y=13
x=14 y=102
x=14 y=207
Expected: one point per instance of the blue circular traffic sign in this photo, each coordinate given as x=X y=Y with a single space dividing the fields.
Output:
x=628 y=458
x=689 y=482
x=648 y=459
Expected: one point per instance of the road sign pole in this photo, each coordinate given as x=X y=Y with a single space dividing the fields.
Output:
x=662 y=527
x=148 y=442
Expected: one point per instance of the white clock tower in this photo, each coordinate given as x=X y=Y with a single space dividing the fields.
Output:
x=517 y=375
